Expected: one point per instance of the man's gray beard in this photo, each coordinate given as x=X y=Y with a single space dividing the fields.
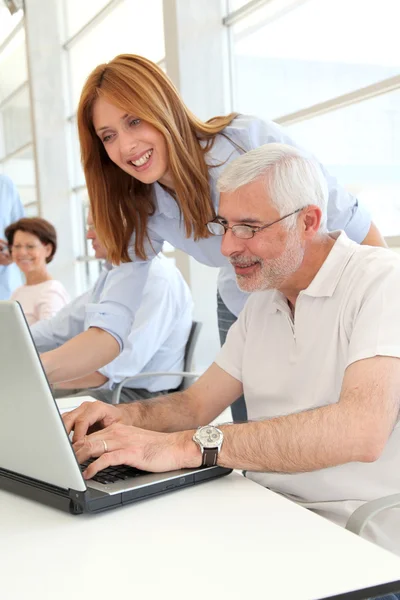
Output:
x=275 y=272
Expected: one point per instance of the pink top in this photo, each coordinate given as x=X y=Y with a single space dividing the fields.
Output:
x=41 y=301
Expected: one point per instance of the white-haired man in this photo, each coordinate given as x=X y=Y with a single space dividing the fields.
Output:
x=316 y=351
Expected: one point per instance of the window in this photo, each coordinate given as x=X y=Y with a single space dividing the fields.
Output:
x=16 y=143
x=13 y=67
x=8 y=22
x=360 y=145
x=105 y=30
x=319 y=50
x=329 y=71
x=21 y=169
x=77 y=14
x=132 y=27
x=16 y=121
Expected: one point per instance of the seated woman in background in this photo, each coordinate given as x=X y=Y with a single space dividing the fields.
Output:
x=33 y=243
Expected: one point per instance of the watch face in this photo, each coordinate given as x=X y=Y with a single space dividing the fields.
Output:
x=209 y=437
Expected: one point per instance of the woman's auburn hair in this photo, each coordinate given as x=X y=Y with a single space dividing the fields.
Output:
x=120 y=204
x=37 y=226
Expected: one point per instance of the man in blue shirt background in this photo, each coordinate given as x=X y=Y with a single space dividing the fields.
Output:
x=11 y=210
x=156 y=342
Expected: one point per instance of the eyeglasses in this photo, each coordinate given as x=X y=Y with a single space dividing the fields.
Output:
x=244 y=232
x=29 y=247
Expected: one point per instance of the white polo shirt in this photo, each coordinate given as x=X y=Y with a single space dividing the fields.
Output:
x=350 y=311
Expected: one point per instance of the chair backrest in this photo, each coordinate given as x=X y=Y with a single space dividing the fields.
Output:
x=187 y=365
x=189 y=352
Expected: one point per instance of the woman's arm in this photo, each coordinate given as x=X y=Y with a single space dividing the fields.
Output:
x=374 y=237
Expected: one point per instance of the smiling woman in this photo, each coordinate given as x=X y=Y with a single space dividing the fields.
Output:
x=33 y=244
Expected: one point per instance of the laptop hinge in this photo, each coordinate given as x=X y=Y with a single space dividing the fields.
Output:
x=70 y=500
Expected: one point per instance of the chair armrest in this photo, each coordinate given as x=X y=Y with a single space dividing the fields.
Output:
x=117 y=390
x=367 y=511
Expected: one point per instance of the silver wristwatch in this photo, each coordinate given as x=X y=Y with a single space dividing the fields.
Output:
x=209 y=439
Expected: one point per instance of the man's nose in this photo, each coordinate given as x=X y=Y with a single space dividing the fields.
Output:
x=231 y=244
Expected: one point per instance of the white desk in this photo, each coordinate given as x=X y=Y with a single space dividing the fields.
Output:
x=226 y=539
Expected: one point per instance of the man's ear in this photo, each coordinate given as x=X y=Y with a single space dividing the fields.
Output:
x=312 y=220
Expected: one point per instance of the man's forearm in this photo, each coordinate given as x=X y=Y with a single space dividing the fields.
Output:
x=174 y=412
x=300 y=442
x=81 y=356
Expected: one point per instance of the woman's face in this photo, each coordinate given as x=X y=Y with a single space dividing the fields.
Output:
x=133 y=145
x=29 y=253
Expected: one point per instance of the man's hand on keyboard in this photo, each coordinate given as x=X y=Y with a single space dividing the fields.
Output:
x=93 y=416
x=147 y=450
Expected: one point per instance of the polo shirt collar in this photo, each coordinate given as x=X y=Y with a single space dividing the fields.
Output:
x=326 y=280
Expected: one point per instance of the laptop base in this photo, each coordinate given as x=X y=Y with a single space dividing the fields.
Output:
x=93 y=501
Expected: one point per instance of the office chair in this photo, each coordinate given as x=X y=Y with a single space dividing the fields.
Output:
x=360 y=517
x=186 y=374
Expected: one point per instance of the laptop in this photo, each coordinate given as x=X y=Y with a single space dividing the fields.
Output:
x=36 y=456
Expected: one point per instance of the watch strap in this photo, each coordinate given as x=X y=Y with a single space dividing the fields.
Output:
x=210 y=456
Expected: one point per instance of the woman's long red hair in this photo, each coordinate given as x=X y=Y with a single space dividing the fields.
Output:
x=121 y=205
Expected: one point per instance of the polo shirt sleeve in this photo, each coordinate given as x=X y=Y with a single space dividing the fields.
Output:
x=344 y=210
x=230 y=357
x=376 y=328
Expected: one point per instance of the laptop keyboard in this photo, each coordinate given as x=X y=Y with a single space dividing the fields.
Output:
x=113 y=474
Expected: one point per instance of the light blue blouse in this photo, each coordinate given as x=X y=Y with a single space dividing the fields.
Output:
x=115 y=308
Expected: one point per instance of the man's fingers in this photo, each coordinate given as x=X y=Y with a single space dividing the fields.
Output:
x=96 y=444
x=108 y=459
x=89 y=447
x=108 y=453
x=82 y=418
x=68 y=419
x=127 y=445
x=84 y=422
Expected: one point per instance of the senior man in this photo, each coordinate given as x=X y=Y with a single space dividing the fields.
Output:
x=315 y=350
